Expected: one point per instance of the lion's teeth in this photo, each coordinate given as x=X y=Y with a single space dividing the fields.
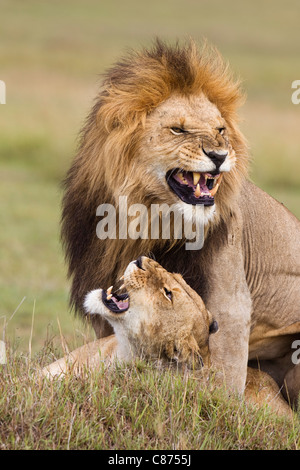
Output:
x=214 y=190
x=121 y=278
x=197 y=191
x=196 y=177
x=108 y=297
x=182 y=178
x=217 y=182
x=122 y=286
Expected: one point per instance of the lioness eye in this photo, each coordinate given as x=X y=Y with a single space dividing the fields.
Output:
x=177 y=130
x=168 y=293
x=221 y=130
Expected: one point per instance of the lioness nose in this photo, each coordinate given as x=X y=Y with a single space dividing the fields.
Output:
x=217 y=157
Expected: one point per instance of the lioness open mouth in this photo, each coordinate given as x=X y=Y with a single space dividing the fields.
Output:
x=116 y=303
x=119 y=303
x=194 y=187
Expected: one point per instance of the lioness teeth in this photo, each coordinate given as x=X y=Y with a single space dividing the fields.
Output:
x=109 y=293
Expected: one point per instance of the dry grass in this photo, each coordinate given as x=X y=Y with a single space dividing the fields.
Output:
x=133 y=407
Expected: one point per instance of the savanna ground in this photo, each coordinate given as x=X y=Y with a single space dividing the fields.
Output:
x=51 y=55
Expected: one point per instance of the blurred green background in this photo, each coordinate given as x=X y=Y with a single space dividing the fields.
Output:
x=52 y=55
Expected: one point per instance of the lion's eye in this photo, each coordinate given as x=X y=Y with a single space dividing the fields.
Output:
x=177 y=130
x=221 y=130
x=168 y=293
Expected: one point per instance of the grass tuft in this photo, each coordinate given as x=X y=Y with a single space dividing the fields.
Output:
x=134 y=406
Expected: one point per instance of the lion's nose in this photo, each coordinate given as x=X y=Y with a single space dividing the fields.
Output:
x=216 y=157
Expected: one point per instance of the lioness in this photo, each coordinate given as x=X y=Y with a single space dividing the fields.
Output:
x=158 y=317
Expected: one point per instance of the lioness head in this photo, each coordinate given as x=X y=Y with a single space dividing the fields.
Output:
x=159 y=316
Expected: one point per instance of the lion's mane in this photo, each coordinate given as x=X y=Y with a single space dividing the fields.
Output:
x=104 y=169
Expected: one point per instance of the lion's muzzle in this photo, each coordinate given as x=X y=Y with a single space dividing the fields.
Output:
x=194 y=187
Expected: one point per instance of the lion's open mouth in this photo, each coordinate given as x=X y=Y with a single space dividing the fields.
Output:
x=194 y=187
x=116 y=303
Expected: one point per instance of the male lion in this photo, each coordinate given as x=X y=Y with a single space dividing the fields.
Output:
x=159 y=317
x=164 y=129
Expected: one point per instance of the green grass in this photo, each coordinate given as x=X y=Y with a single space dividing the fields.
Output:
x=133 y=407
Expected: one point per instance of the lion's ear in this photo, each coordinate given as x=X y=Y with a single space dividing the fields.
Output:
x=213 y=324
x=213 y=327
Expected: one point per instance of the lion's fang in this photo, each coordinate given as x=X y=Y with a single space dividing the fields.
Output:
x=196 y=177
x=181 y=177
x=197 y=191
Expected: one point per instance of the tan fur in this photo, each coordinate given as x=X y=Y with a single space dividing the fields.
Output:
x=248 y=271
x=262 y=390
x=290 y=389
x=155 y=327
x=87 y=357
